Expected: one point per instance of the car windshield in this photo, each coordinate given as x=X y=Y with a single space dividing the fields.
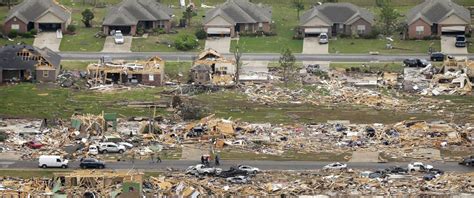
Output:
x=323 y=36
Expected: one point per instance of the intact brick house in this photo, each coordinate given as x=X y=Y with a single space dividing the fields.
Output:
x=335 y=19
x=27 y=63
x=234 y=16
x=436 y=18
x=41 y=15
x=132 y=14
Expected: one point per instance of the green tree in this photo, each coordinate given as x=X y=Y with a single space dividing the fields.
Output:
x=188 y=14
x=185 y=42
x=299 y=6
x=287 y=63
x=87 y=16
x=388 y=18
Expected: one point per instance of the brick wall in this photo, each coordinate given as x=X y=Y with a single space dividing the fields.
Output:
x=41 y=78
x=8 y=24
x=155 y=82
x=412 y=29
x=353 y=27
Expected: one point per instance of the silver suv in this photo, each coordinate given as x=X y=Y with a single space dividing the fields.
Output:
x=323 y=38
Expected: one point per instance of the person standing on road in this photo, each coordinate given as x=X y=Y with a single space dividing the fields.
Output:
x=217 y=160
x=152 y=157
x=133 y=157
x=158 y=158
x=202 y=159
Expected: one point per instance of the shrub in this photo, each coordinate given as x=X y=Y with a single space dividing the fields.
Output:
x=13 y=34
x=185 y=42
x=140 y=30
x=27 y=35
x=201 y=34
x=71 y=28
x=33 y=32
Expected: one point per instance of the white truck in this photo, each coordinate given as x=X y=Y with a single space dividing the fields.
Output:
x=418 y=166
x=201 y=169
x=52 y=161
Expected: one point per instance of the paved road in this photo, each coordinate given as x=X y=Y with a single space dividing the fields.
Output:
x=263 y=165
x=185 y=56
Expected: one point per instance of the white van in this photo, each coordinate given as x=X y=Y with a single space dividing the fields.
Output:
x=47 y=161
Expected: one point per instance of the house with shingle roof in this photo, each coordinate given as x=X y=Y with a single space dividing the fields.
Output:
x=41 y=15
x=335 y=19
x=234 y=16
x=28 y=63
x=437 y=17
x=129 y=15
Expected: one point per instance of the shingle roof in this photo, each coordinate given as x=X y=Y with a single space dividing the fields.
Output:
x=343 y=13
x=240 y=11
x=129 y=12
x=434 y=11
x=10 y=60
x=30 y=10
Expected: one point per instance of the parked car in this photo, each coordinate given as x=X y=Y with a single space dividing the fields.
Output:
x=469 y=161
x=418 y=166
x=33 y=145
x=323 y=38
x=93 y=150
x=249 y=169
x=118 y=37
x=92 y=163
x=460 y=41
x=238 y=180
x=202 y=169
x=415 y=62
x=437 y=56
x=52 y=161
x=335 y=166
x=396 y=170
x=110 y=147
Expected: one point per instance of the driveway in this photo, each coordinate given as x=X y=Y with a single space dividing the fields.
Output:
x=47 y=39
x=110 y=46
x=312 y=46
x=447 y=46
x=220 y=44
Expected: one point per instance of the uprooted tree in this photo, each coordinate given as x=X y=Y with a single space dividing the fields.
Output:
x=287 y=64
x=87 y=16
x=238 y=63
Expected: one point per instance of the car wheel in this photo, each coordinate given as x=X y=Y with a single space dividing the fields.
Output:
x=412 y=170
x=101 y=167
x=104 y=151
x=83 y=167
x=254 y=172
x=44 y=166
x=467 y=164
x=120 y=151
x=63 y=166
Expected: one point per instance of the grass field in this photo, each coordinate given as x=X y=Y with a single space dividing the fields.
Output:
x=75 y=65
x=48 y=101
x=364 y=46
x=374 y=67
x=235 y=154
x=470 y=48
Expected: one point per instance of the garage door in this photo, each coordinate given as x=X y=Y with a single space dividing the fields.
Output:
x=315 y=31
x=218 y=31
x=453 y=30
x=125 y=29
x=49 y=27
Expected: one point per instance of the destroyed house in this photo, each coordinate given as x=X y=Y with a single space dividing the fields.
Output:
x=149 y=72
x=210 y=67
x=40 y=15
x=28 y=63
x=131 y=15
x=234 y=16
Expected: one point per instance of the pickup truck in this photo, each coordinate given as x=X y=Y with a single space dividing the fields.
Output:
x=418 y=166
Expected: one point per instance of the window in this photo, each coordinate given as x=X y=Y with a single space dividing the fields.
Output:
x=246 y=27
x=161 y=24
x=151 y=77
x=420 y=30
x=360 y=29
x=45 y=74
x=260 y=26
x=15 y=26
x=58 y=160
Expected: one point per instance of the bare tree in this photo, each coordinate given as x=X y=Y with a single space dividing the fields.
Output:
x=238 y=63
x=287 y=63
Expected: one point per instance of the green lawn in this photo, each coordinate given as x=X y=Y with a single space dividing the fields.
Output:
x=285 y=21
x=158 y=44
x=174 y=69
x=48 y=101
x=374 y=67
x=470 y=47
x=82 y=41
x=27 y=41
x=75 y=65
x=364 y=46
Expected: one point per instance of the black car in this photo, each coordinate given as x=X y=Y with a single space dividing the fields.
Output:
x=232 y=172
x=396 y=170
x=412 y=62
x=460 y=41
x=437 y=56
x=467 y=161
x=92 y=163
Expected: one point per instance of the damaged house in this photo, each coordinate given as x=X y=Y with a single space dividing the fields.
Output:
x=211 y=68
x=149 y=72
x=28 y=63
